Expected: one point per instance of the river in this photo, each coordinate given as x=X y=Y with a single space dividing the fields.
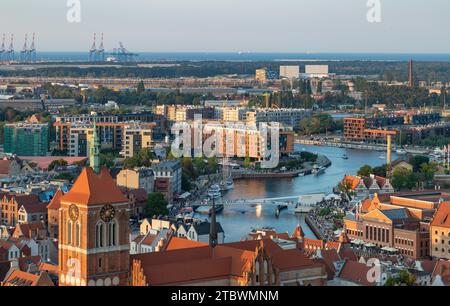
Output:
x=238 y=221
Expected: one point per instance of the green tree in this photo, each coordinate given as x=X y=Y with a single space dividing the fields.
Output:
x=246 y=162
x=186 y=184
x=365 y=170
x=156 y=205
x=57 y=163
x=418 y=160
x=427 y=171
x=404 y=179
x=212 y=165
x=140 y=87
x=380 y=170
x=345 y=187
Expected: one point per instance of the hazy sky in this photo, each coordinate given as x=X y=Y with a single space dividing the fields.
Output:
x=408 y=26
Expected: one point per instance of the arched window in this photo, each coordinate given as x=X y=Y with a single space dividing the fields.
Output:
x=77 y=234
x=100 y=235
x=112 y=233
x=69 y=232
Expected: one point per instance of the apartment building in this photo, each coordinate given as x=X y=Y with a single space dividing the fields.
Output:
x=136 y=138
x=440 y=232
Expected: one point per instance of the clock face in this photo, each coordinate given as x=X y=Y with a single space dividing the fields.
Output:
x=73 y=212
x=107 y=213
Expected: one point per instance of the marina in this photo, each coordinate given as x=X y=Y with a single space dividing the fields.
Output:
x=252 y=202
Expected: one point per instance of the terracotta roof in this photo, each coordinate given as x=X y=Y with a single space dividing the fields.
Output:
x=25 y=262
x=348 y=254
x=291 y=259
x=48 y=267
x=352 y=180
x=92 y=188
x=5 y=165
x=4 y=268
x=442 y=269
x=28 y=230
x=139 y=194
x=55 y=203
x=355 y=272
x=20 y=278
x=442 y=216
x=298 y=232
x=176 y=243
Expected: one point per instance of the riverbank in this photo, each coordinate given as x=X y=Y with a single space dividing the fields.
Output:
x=322 y=161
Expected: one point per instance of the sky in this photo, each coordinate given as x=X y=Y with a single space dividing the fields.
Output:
x=297 y=26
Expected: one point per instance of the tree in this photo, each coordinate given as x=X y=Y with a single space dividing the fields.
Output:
x=404 y=179
x=140 y=87
x=186 y=184
x=365 y=170
x=246 y=162
x=427 y=171
x=212 y=165
x=380 y=170
x=57 y=163
x=156 y=205
x=345 y=187
x=417 y=161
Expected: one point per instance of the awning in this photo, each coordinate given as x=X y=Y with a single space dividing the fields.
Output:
x=357 y=242
x=370 y=245
x=389 y=249
x=184 y=195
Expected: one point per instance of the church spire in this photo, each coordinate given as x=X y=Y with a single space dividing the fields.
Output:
x=94 y=156
x=213 y=227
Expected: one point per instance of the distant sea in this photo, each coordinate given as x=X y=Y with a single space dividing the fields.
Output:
x=248 y=56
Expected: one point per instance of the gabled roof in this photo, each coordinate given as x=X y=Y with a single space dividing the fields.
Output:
x=176 y=243
x=20 y=278
x=91 y=188
x=442 y=216
x=55 y=203
x=355 y=272
x=203 y=228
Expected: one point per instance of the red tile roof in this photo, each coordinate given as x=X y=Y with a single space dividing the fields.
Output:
x=176 y=243
x=55 y=203
x=92 y=188
x=355 y=272
x=442 y=216
x=20 y=278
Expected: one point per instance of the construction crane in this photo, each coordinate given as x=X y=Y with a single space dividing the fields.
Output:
x=93 y=50
x=2 y=48
x=10 y=51
x=24 y=52
x=101 y=51
x=32 y=50
x=122 y=54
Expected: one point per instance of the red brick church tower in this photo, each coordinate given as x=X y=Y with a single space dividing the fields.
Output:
x=93 y=230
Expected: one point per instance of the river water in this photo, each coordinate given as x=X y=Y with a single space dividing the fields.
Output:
x=239 y=220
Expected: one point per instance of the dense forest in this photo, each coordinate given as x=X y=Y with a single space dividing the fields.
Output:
x=388 y=71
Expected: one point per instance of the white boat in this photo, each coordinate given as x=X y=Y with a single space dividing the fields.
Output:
x=214 y=192
x=318 y=170
x=227 y=185
x=382 y=156
x=401 y=152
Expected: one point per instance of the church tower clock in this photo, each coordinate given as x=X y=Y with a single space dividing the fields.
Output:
x=93 y=231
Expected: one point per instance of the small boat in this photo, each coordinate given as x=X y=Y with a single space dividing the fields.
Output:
x=382 y=156
x=301 y=174
x=279 y=209
x=344 y=156
x=214 y=192
x=227 y=185
x=318 y=170
x=401 y=152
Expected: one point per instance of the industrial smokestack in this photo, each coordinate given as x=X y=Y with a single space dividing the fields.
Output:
x=411 y=79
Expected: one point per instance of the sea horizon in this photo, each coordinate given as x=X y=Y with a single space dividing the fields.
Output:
x=76 y=56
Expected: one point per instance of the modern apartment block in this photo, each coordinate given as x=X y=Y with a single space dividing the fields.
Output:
x=286 y=117
x=136 y=138
x=168 y=178
x=26 y=139
x=355 y=129
x=290 y=72
x=74 y=137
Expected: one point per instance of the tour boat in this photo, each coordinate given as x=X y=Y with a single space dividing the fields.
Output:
x=227 y=185
x=214 y=192
x=318 y=170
